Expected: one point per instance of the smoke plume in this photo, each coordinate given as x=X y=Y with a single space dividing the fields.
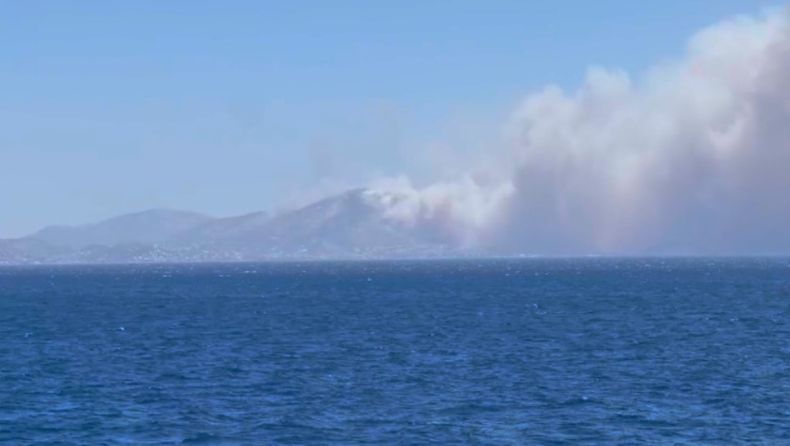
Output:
x=691 y=157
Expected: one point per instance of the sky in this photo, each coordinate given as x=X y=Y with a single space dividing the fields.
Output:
x=238 y=106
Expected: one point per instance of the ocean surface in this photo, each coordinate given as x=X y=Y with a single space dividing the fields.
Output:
x=507 y=352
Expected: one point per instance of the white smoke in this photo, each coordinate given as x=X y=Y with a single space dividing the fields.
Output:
x=463 y=210
x=693 y=156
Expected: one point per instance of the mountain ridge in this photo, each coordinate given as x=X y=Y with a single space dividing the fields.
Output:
x=352 y=224
x=149 y=226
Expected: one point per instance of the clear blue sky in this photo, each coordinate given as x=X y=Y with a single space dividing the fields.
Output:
x=227 y=107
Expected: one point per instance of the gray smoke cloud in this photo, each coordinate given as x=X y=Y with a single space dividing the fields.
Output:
x=691 y=157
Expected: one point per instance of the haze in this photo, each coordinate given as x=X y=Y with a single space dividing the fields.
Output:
x=559 y=127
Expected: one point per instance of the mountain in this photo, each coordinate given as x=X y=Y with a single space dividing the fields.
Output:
x=346 y=225
x=148 y=227
x=354 y=224
x=28 y=251
x=220 y=230
x=11 y=253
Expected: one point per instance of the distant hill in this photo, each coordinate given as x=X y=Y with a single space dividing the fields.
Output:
x=354 y=224
x=148 y=227
x=349 y=224
x=221 y=231
x=28 y=251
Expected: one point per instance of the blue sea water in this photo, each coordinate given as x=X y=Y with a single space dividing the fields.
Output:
x=508 y=352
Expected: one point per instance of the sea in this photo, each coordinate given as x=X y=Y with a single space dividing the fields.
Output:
x=536 y=351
